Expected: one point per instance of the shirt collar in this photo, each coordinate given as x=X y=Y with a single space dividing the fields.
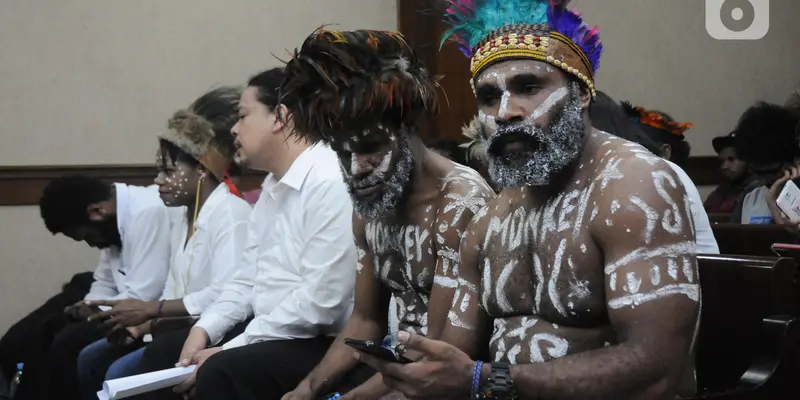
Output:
x=297 y=172
x=123 y=207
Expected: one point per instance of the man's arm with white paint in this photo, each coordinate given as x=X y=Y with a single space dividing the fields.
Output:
x=468 y=326
x=463 y=199
x=652 y=295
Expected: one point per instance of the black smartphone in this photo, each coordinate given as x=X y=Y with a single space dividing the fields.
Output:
x=373 y=349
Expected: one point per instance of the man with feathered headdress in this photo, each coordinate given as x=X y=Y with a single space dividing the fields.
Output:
x=364 y=93
x=580 y=277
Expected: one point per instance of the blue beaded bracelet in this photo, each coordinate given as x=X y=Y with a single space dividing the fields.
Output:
x=476 y=379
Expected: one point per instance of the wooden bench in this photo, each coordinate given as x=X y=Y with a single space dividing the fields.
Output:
x=717 y=218
x=750 y=240
x=747 y=347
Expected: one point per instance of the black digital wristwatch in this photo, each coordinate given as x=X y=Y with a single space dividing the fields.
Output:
x=499 y=386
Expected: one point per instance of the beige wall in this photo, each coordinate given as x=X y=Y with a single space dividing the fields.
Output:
x=91 y=81
x=659 y=55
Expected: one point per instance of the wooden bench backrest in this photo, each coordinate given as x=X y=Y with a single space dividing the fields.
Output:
x=738 y=293
x=750 y=240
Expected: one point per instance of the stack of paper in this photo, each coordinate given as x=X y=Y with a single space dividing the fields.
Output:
x=138 y=384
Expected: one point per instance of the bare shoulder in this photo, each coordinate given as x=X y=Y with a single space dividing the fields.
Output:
x=463 y=191
x=465 y=181
x=498 y=207
x=626 y=167
x=639 y=193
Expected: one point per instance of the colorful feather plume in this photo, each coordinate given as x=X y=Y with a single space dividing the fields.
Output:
x=570 y=24
x=655 y=119
x=342 y=80
x=472 y=21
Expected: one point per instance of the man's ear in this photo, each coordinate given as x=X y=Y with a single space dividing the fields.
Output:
x=96 y=212
x=282 y=118
x=666 y=151
x=585 y=96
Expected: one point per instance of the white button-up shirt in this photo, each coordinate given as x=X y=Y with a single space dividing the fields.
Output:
x=704 y=236
x=200 y=267
x=139 y=269
x=298 y=271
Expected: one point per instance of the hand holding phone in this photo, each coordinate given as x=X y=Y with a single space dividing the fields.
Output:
x=376 y=350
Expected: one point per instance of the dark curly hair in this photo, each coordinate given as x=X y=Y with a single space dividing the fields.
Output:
x=350 y=80
x=767 y=133
x=65 y=200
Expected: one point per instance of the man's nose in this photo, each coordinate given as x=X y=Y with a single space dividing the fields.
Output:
x=511 y=109
x=361 y=165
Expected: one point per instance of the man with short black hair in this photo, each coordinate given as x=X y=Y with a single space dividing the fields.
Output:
x=724 y=198
x=131 y=227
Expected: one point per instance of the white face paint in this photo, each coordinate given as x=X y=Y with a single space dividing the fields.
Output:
x=547 y=104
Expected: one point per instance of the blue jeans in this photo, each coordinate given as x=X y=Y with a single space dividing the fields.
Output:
x=102 y=361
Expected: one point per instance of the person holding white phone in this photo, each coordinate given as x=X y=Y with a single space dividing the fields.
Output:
x=767 y=139
x=782 y=199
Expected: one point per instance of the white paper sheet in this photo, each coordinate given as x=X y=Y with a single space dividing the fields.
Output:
x=132 y=385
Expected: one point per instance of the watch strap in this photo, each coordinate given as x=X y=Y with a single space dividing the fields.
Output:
x=500 y=386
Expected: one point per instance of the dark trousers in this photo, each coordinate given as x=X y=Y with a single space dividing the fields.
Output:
x=267 y=370
x=165 y=350
x=62 y=366
x=28 y=340
x=264 y=371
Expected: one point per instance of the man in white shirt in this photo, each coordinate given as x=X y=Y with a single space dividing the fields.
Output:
x=131 y=226
x=296 y=279
x=411 y=204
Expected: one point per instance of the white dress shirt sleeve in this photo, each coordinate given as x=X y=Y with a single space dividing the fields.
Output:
x=327 y=270
x=174 y=242
x=146 y=249
x=234 y=303
x=103 y=286
x=226 y=256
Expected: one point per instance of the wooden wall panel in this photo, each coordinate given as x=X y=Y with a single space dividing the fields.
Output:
x=22 y=186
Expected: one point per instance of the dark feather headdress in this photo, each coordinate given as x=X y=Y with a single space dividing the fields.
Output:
x=545 y=30
x=341 y=79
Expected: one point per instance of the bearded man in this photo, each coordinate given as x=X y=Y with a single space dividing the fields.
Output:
x=363 y=93
x=580 y=276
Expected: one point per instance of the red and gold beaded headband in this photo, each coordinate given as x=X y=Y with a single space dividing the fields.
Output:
x=533 y=42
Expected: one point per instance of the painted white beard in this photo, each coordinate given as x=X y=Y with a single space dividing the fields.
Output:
x=393 y=186
x=558 y=148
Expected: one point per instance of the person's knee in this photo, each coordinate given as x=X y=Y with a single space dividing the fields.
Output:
x=213 y=367
x=86 y=359
x=126 y=366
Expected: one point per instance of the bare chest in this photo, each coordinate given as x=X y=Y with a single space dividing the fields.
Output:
x=542 y=261
x=404 y=255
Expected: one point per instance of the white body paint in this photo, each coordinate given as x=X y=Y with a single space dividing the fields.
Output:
x=555 y=346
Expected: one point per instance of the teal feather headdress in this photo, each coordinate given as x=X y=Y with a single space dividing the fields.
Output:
x=545 y=30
